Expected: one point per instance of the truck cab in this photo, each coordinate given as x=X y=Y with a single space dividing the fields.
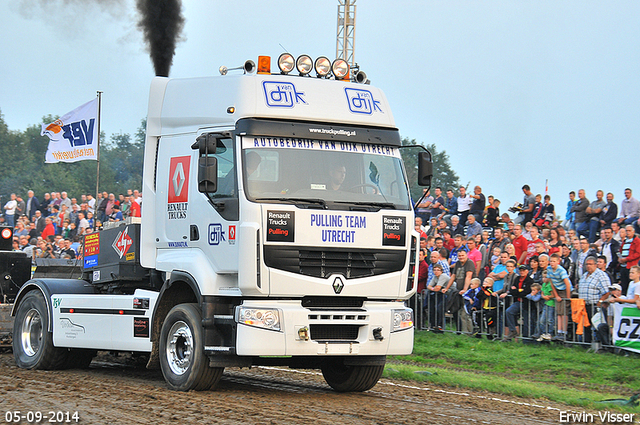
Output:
x=278 y=228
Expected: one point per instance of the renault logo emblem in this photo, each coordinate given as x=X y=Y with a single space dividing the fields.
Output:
x=337 y=285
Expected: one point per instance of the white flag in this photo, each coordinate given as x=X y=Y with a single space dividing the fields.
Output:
x=73 y=137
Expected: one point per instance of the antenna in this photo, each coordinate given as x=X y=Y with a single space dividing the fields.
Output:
x=346 y=34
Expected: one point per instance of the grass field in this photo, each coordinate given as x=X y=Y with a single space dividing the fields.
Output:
x=568 y=375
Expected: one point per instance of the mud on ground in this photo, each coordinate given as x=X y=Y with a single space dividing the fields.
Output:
x=119 y=390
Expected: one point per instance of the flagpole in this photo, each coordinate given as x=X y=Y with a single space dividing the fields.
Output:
x=546 y=186
x=95 y=207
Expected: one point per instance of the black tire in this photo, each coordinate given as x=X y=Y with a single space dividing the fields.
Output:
x=32 y=342
x=344 y=378
x=183 y=362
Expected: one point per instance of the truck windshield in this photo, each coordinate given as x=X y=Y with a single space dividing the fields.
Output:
x=323 y=174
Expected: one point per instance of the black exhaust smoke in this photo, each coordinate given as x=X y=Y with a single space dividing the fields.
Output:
x=162 y=23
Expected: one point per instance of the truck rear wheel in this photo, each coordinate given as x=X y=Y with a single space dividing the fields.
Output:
x=32 y=342
x=347 y=378
x=184 y=364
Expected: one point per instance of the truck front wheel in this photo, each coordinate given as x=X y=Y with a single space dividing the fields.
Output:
x=32 y=342
x=184 y=364
x=347 y=378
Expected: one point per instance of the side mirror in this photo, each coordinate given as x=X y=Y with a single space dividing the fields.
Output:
x=206 y=143
x=425 y=169
x=208 y=174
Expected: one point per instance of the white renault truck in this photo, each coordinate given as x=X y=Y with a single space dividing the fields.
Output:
x=277 y=229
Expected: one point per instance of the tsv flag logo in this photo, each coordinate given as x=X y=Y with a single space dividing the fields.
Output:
x=74 y=136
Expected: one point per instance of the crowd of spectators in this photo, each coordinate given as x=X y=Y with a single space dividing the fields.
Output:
x=536 y=276
x=53 y=227
x=489 y=273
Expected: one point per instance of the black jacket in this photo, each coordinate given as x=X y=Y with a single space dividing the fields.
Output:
x=518 y=293
x=609 y=213
x=615 y=248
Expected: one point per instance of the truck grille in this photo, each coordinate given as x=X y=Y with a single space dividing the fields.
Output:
x=334 y=332
x=326 y=263
x=332 y=302
x=319 y=262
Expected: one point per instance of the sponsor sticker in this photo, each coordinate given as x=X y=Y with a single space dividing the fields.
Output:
x=216 y=234
x=141 y=327
x=179 y=244
x=90 y=261
x=142 y=303
x=320 y=145
x=362 y=101
x=282 y=95
x=338 y=228
x=123 y=242
x=178 y=194
x=71 y=330
x=91 y=244
x=393 y=230
x=280 y=226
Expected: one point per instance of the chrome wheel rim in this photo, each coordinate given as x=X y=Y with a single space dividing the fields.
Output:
x=179 y=350
x=31 y=336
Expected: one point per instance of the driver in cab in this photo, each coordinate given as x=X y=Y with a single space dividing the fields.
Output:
x=337 y=175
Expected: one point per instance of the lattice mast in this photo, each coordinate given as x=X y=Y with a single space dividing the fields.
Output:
x=345 y=40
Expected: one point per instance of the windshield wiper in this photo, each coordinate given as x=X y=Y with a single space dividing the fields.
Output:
x=297 y=201
x=370 y=204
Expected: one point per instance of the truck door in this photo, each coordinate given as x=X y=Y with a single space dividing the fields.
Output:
x=216 y=213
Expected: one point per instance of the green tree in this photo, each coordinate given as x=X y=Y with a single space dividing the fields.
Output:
x=124 y=158
x=443 y=174
x=14 y=158
x=22 y=156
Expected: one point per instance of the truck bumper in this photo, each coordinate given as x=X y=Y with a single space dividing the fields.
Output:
x=340 y=332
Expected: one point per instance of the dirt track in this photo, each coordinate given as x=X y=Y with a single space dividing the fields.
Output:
x=110 y=393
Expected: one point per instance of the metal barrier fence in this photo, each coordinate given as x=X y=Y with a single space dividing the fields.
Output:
x=524 y=320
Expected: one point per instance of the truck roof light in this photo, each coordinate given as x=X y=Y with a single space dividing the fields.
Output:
x=264 y=64
x=286 y=63
x=304 y=64
x=361 y=77
x=340 y=69
x=322 y=66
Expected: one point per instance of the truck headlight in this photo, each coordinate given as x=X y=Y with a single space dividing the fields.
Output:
x=259 y=317
x=402 y=319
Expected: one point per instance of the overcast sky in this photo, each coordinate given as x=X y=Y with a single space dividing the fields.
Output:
x=514 y=91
